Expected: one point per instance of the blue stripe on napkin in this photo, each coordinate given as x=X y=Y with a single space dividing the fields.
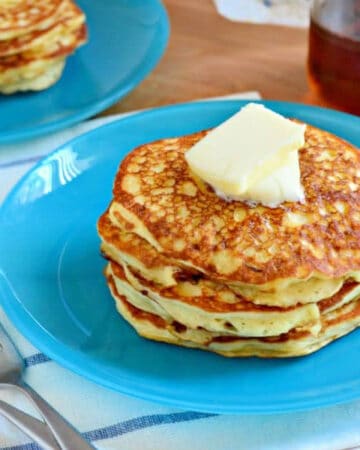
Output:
x=120 y=428
x=37 y=358
x=129 y=426
x=142 y=422
x=23 y=447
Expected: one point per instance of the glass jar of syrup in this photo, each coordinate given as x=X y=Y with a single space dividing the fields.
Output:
x=334 y=53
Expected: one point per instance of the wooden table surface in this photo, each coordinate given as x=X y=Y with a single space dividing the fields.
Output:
x=208 y=55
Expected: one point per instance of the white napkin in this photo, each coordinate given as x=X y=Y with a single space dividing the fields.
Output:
x=279 y=12
x=113 y=421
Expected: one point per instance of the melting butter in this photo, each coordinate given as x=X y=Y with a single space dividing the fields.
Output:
x=253 y=156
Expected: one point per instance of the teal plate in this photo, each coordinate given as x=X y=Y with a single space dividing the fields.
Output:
x=126 y=40
x=52 y=287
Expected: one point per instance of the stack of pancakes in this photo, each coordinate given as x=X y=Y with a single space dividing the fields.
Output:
x=188 y=268
x=35 y=39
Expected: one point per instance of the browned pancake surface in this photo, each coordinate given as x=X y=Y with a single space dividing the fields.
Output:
x=21 y=16
x=67 y=14
x=235 y=241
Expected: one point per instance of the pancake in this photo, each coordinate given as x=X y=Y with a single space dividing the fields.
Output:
x=190 y=268
x=161 y=269
x=35 y=40
x=157 y=194
x=122 y=246
x=68 y=18
x=294 y=343
x=204 y=305
x=126 y=248
x=47 y=78
x=27 y=66
x=18 y=17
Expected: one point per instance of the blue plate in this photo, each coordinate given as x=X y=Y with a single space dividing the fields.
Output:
x=52 y=287
x=126 y=40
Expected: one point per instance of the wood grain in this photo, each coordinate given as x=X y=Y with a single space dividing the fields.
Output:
x=210 y=56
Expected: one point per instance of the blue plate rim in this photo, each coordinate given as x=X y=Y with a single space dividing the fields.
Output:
x=110 y=99
x=75 y=361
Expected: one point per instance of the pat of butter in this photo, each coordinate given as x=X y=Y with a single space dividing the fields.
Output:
x=283 y=185
x=252 y=156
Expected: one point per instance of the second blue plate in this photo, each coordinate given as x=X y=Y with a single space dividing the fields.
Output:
x=126 y=40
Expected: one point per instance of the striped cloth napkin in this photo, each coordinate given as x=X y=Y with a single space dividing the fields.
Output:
x=113 y=421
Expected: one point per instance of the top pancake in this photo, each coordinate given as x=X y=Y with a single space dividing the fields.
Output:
x=68 y=17
x=19 y=17
x=183 y=218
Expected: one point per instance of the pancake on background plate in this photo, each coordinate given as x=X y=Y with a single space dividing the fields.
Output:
x=189 y=268
x=36 y=37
